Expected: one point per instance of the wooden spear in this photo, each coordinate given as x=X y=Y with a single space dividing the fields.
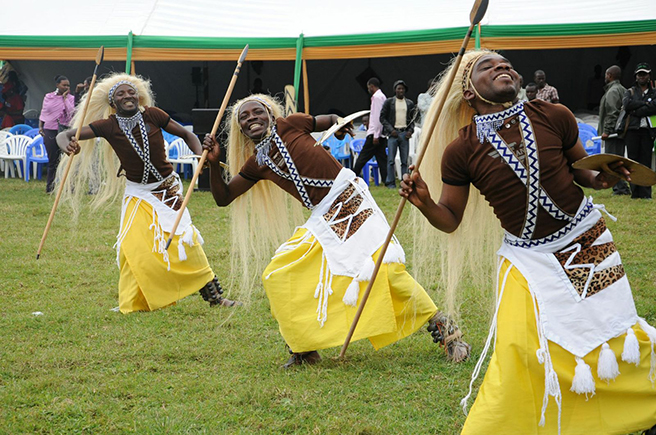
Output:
x=475 y=16
x=215 y=127
x=99 y=59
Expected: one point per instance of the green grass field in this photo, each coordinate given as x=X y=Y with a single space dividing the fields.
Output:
x=82 y=368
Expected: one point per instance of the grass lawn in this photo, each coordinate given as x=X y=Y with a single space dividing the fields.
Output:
x=81 y=367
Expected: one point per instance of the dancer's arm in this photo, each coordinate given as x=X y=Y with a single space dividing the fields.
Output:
x=67 y=142
x=324 y=122
x=191 y=139
x=223 y=193
x=446 y=215
x=594 y=179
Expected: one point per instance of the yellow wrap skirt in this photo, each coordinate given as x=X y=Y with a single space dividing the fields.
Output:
x=510 y=398
x=397 y=305
x=146 y=282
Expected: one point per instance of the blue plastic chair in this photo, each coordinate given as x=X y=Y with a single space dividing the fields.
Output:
x=32 y=133
x=370 y=169
x=340 y=149
x=168 y=137
x=37 y=155
x=586 y=133
x=20 y=129
x=32 y=122
x=356 y=145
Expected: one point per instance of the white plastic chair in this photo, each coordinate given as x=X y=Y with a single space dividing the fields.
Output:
x=180 y=154
x=413 y=144
x=16 y=154
x=4 y=135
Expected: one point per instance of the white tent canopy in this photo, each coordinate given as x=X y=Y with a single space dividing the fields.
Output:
x=289 y=18
x=342 y=41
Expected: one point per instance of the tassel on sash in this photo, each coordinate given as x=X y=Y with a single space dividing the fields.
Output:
x=607 y=365
x=583 y=381
x=607 y=368
x=631 y=353
x=353 y=290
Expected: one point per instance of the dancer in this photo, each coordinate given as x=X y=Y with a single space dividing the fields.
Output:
x=314 y=279
x=571 y=353
x=121 y=112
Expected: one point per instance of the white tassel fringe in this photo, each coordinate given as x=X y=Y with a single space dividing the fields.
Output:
x=188 y=236
x=199 y=238
x=182 y=254
x=607 y=368
x=394 y=253
x=583 y=382
x=353 y=290
x=352 y=293
x=631 y=353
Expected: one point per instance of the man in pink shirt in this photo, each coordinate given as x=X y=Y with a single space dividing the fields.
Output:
x=56 y=113
x=375 y=144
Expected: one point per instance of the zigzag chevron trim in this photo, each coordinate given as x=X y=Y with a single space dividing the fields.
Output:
x=521 y=243
x=500 y=116
x=293 y=175
x=144 y=154
x=529 y=174
x=312 y=182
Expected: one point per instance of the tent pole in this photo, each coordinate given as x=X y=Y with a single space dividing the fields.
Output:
x=306 y=89
x=297 y=67
x=477 y=38
x=128 y=58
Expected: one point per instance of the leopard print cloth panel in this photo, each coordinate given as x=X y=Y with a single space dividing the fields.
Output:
x=342 y=215
x=169 y=193
x=590 y=254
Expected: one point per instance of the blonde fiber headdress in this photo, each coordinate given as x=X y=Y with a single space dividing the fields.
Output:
x=262 y=218
x=95 y=167
x=447 y=259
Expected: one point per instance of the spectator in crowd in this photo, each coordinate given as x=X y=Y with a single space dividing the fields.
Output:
x=13 y=94
x=640 y=103
x=424 y=101
x=521 y=95
x=545 y=92
x=609 y=110
x=531 y=91
x=375 y=144
x=56 y=113
x=81 y=89
x=365 y=123
x=397 y=117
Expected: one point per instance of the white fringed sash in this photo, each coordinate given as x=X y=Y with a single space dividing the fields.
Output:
x=164 y=217
x=576 y=323
x=346 y=256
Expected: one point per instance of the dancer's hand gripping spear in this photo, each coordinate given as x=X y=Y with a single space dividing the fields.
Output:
x=215 y=127
x=99 y=59
x=477 y=13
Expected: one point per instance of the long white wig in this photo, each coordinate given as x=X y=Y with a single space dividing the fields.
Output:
x=95 y=168
x=265 y=216
x=468 y=252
